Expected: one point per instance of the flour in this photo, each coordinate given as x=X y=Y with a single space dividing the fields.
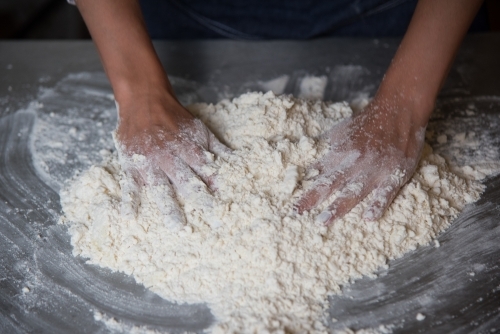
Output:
x=265 y=268
x=312 y=87
x=277 y=85
x=115 y=326
x=469 y=143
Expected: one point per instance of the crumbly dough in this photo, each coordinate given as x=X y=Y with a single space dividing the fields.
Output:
x=265 y=268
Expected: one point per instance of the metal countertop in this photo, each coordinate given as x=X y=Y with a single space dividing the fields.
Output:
x=457 y=286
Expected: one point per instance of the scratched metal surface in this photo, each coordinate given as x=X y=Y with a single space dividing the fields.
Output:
x=456 y=286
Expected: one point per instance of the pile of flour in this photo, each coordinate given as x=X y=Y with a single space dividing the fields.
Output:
x=266 y=268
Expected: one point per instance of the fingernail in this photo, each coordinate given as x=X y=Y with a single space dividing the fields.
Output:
x=323 y=217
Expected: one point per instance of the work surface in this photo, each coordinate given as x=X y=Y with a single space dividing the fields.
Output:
x=44 y=289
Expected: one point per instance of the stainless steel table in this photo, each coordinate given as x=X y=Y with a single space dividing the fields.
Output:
x=456 y=286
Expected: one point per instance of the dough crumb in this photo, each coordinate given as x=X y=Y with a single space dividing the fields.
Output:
x=442 y=139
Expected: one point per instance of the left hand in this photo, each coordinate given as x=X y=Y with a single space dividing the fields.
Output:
x=376 y=151
x=163 y=147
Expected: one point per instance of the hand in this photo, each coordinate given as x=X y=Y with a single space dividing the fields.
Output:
x=162 y=146
x=375 y=151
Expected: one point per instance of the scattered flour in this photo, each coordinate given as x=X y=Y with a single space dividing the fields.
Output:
x=277 y=85
x=312 y=87
x=469 y=143
x=117 y=326
x=266 y=269
x=380 y=330
x=442 y=139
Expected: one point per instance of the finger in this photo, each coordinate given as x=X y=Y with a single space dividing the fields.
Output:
x=322 y=186
x=200 y=161
x=193 y=148
x=165 y=198
x=338 y=167
x=190 y=186
x=130 y=185
x=217 y=147
x=220 y=150
x=349 y=197
x=383 y=196
x=200 y=151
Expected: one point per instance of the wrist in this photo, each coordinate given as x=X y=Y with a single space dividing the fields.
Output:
x=407 y=103
x=130 y=85
x=133 y=92
x=150 y=106
x=146 y=92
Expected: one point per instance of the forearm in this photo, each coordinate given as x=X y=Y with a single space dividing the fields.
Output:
x=126 y=51
x=426 y=53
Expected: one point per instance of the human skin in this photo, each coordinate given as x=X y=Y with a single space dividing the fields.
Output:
x=388 y=136
x=377 y=149
x=178 y=148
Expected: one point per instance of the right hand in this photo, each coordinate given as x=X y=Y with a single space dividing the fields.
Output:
x=163 y=147
x=374 y=152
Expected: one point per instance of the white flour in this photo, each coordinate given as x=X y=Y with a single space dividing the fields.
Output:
x=265 y=268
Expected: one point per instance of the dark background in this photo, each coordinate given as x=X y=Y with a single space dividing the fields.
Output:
x=55 y=19
x=40 y=19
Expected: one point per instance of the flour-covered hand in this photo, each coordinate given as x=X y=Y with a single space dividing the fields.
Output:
x=374 y=152
x=163 y=147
